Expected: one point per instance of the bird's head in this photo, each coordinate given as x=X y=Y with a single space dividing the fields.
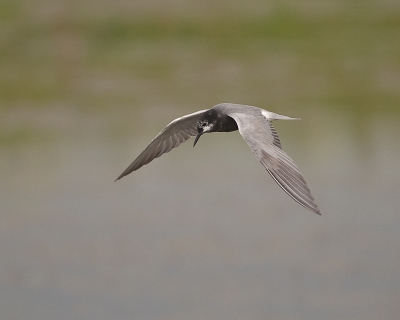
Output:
x=206 y=123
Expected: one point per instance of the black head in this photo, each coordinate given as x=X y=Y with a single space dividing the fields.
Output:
x=206 y=123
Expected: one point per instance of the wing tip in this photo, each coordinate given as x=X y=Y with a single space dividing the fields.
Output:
x=316 y=210
x=313 y=208
x=127 y=171
x=120 y=177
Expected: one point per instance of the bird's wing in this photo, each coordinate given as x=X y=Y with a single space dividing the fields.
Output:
x=263 y=140
x=276 y=141
x=175 y=133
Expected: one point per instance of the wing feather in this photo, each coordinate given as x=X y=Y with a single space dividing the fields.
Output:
x=264 y=142
x=277 y=141
x=175 y=133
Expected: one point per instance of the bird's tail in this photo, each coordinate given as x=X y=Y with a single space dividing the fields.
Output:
x=274 y=116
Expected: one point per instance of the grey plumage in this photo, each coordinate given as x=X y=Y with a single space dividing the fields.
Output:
x=261 y=136
x=254 y=124
x=175 y=133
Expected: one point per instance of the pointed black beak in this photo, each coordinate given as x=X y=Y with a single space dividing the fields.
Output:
x=197 y=138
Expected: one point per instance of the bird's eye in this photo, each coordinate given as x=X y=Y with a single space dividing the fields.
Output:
x=205 y=124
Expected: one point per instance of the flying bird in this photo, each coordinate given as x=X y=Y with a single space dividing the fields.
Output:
x=254 y=124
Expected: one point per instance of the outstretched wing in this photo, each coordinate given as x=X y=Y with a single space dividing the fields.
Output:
x=175 y=133
x=263 y=140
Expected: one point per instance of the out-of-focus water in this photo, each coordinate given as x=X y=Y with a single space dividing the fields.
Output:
x=204 y=232
x=201 y=233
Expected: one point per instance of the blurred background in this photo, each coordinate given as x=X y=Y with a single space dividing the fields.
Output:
x=201 y=233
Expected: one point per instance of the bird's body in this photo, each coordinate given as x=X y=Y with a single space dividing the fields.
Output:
x=254 y=124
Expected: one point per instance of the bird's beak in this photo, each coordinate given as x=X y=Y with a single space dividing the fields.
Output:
x=197 y=138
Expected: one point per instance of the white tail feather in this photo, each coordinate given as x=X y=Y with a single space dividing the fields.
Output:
x=274 y=116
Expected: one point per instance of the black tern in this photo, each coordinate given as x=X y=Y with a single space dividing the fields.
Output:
x=254 y=124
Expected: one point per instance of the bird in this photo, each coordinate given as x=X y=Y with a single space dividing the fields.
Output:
x=254 y=124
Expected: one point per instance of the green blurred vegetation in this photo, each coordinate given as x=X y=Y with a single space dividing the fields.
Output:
x=344 y=57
